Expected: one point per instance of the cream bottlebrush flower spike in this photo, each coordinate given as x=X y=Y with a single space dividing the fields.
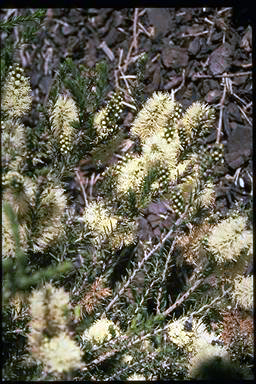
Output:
x=229 y=238
x=243 y=292
x=8 y=241
x=13 y=144
x=60 y=354
x=196 y=342
x=48 y=306
x=51 y=212
x=63 y=114
x=100 y=331
x=16 y=96
x=99 y=219
x=157 y=149
x=196 y=122
x=131 y=175
x=159 y=112
x=105 y=226
x=19 y=192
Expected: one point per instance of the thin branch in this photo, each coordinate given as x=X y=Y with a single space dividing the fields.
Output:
x=107 y=51
x=159 y=296
x=208 y=306
x=136 y=12
x=134 y=40
x=82 y=187
x=221 y=113
x=180 y=86
x=238 y=74
x=245 y=116
x=145 y=258
x=183 y=298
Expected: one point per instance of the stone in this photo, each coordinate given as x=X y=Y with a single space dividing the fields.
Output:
x=220 y=59
x=194 y=46
x=161 y=20
x=175 y=57
x=213 y=96
x=239 y=146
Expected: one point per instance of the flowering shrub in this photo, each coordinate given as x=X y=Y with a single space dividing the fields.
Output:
x=117 y=306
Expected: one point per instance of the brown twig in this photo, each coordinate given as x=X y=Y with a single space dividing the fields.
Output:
x=180 y=86
x=134 y=44
x=238 y=74
x=183 y=298
x=82 y=187
x=107 y=51
x=221 y=112
x=245 y=116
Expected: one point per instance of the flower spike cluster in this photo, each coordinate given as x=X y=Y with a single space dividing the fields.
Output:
x=105 y=121
x=16 y=98
x=49 y=339
x=64 y=113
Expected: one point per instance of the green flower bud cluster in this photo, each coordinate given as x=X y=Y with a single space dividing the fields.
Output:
x=127 y=157
x=17 y=75
x=13 y=180
x=65 y=143
x=170 y=125
x=106 y=119
x=212 y=154
x=177 y=201
x=163 y=178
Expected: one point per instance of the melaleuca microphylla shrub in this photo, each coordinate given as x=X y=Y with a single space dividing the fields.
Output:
x=121 y=314
x=165 y=167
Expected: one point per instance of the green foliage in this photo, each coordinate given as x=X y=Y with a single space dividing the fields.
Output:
x=29 y=23
x=37 y=16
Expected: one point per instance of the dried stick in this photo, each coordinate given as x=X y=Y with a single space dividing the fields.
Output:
x=82 y=187
x=180 y=86
x=134 y=39
x=221 y=113
x=245 y=116
x=183 y=298
x=238 y=74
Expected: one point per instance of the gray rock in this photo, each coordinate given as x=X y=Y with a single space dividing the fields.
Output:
x=194 y=46
x=213 y=96
x=239 y=146
x=220 y=59
x=161 y=20
x=154 y=220
x=175 y=57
